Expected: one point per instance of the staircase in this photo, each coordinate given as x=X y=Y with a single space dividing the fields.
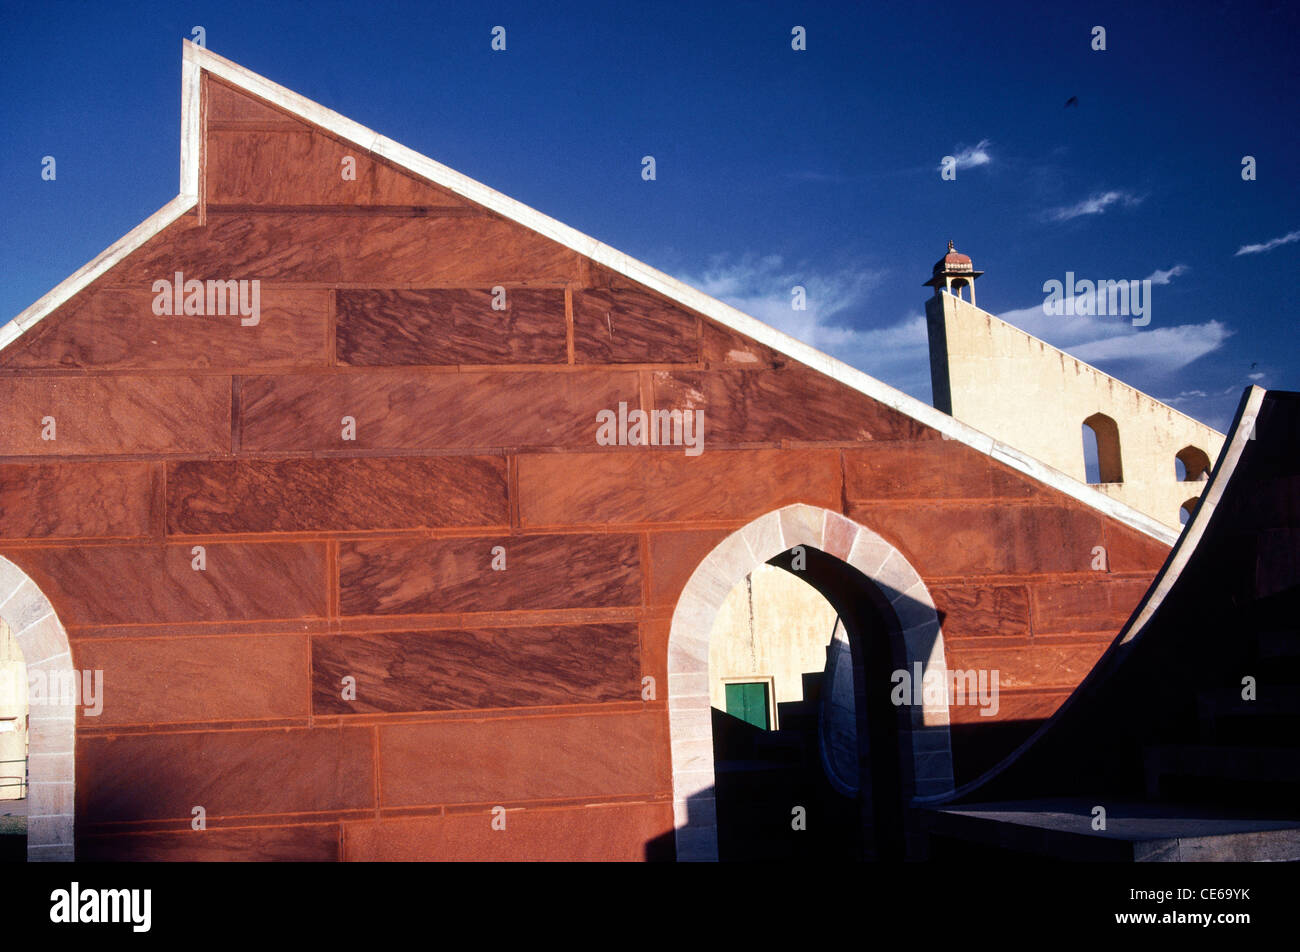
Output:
x=761 y=776
x=1243 y=753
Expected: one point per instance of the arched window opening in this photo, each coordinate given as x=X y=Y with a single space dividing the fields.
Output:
x=1192 y=465
x=1186 y=510
x=1101 y=454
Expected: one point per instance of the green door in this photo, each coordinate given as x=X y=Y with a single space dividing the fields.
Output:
x=748 y=702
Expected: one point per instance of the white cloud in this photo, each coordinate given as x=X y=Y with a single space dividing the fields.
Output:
x=1093 y=205
x=1268 y=245
x=1164 y=277
x=972 y=156
x=1157 y=348
x=1213 y=409
x=1160 y=349
x=898 y=353
x=761 y=287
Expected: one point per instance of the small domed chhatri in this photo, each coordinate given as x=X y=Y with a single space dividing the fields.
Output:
x=952 y=272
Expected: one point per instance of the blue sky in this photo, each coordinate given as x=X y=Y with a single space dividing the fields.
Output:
x=774 y=167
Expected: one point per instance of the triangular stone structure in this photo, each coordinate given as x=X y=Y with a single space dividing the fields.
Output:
x=384 y=462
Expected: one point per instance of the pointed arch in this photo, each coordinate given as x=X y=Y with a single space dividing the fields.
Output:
x=916 y=625
x=52 y=722
x=1110 y=465
x=1195 y=464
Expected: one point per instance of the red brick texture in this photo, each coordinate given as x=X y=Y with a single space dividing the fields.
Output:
x=237 y=567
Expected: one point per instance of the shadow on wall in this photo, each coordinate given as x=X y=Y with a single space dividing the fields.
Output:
x=775 y=800
x=761 y=777
x=832 y=829
x=701 y=805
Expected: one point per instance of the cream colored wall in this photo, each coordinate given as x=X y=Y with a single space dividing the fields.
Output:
x=772 y=624
x=1026 y=393
x=13 y=715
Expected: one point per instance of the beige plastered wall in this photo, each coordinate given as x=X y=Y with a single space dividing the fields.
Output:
x=1026 y=393
x=771 y=625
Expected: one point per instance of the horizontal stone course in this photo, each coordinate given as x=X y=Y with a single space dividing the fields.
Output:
x=468 y=669
x=117 y=329
x=793 y=403
x=305 y=495
x=524 y=759
x=75 y=500
x=344 y=249
x=489 y=573
x=1100 y=604
x=317 y=843
x=450 y=326
x=612 y=832
x=664 y=485
x=617 y=326
x=412 y=409
x=236 y=678
x=118 y=415
x=132 y=584
x=982 y=610
x=246 y=167
x=970 y=539
x=230 y=773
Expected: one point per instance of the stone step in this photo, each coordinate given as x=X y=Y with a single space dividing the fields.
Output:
x=1134 y=831
x=1269 y=699
x=1278 y=643
x=1273 y=718
x=1243 y=766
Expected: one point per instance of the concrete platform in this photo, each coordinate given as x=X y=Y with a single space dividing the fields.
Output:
x=1135 y=832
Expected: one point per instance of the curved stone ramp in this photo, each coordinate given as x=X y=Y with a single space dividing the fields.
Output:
x=1187 y=730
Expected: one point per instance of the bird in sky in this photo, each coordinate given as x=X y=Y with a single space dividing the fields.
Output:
x=1072 y=101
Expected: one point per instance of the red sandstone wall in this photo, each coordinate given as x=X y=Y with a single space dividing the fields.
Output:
x=475 y=428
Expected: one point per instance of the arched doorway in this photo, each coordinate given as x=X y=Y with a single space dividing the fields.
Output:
x=877 y=592
x=52 y=719
x=782 y=689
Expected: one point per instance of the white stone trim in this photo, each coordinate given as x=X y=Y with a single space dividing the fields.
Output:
x=197 y=58
x=191 y=127
x=690 y=718
x=52 y=727
x=84 y=276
